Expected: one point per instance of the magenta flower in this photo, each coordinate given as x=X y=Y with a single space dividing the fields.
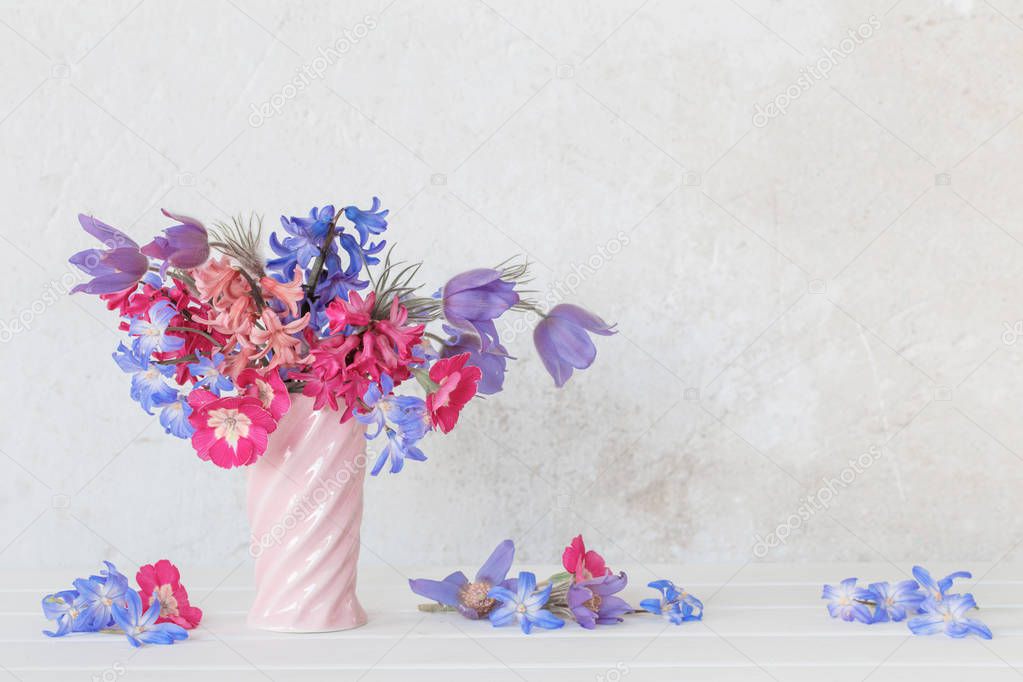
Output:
x=474 y=299
x=186 y=245
x=230 y=431
x=119 y=266
x=562 y=341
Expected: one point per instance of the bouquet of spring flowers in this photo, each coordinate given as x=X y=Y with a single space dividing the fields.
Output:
x=220 y=337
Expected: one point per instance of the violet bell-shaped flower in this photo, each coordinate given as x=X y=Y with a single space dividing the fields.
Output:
x=562 y=341
x=185 y=246
x=119 y=266
x=474 y=299
x=470 y=598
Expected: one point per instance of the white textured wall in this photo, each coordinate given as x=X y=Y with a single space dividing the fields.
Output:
x=833 y=281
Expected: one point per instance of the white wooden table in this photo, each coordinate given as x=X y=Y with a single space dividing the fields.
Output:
x=762 y=622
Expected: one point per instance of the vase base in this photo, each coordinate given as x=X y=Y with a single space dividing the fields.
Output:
x=308 y=629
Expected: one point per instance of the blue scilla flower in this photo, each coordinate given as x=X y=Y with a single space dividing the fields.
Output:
x=174 y=418
x=67 y=609
x=148 y=387
x=675 y=604
x=948 y=616
x=370 y=221
x=397 y=450
x=140 y=626
x=520 y=601
x=937 y=589
x=99 y=594
x=894 y=602
x=846 y=601
x=152 y=335
x=211 y=377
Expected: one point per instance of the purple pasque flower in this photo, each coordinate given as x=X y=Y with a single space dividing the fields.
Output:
x=185 y=245
x=470 y=598
x=140 y=626
x=520 y=601
x=675 y=603
x=894 y=602
x=491 y=362
x=593 y=603
x=937 y=589
x=562 y=341
x=846 y=601
x=474 y=299
x=116 y=267
x=948 y=616
x=99 y=594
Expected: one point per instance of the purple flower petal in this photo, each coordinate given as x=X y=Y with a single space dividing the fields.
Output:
x=442 y=591
x=496 y=567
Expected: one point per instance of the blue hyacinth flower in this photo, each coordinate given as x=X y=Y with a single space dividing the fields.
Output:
x=370 y=221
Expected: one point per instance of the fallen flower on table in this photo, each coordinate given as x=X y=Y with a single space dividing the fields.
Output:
x=522 y=602
x=583 y=564
x=140 y=626
x=675 y=604
x=107 y=603
x=471 y=599
x=930 y=607
x=848 y=601
x=948 y=616
x=593 y=603
x=162 y=582
x=586 y=592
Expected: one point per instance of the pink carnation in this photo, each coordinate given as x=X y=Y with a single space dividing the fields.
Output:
x=162 y=582
x=268 y=388
x=231 y=431
x=583 y=564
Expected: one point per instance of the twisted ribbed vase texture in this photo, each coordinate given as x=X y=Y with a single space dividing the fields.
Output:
x=305 y=508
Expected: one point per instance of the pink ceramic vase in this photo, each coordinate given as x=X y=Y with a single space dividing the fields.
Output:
x=305 y=508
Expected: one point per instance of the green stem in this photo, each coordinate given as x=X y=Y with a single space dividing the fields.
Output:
x=257 y=295
x=314 y=277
